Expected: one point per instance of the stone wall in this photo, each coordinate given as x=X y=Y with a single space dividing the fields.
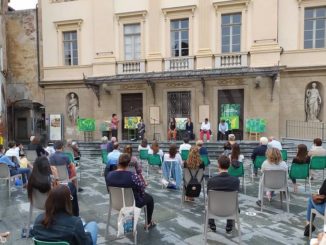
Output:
x=22 y=57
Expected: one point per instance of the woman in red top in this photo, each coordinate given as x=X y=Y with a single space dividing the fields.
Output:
x=114 y=125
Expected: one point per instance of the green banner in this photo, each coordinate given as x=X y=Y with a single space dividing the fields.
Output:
x=256 y=125
x=86 y=124
x=231 y=114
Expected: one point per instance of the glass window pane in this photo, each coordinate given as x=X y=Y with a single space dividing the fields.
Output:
x=74 y=45
x=236 y=30
x=137 y=56
x=185 y=24
x=175 y=53
x=75 y=53
x=74 y=35
x=307 y=35
x=236 y=48
x=320 y=43
x=320 y=34
x=128 y=56
x=308 y=44
x=184 y=52
x=308 y=13
x=320 y=24
x=184 y=35
x=184 y=44
x=174 y=24
x=226 y=40
x=237 y=18
x=226 y=30
x=75 y=61
x=66 y=36
x=308 y=24
x=236 y=39
x=225 y=19
x=225 y=49
x=320 y=12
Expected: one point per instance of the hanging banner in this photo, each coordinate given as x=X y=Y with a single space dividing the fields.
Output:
x=56 y=127
x=131 y=122
x=86 y=124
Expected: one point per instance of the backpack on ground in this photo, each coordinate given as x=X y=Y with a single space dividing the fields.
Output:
x=193 y=187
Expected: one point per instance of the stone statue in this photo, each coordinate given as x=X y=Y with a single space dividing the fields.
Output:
x=312 y=103
x=73 y=108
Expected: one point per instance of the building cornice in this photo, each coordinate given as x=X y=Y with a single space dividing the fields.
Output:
x=135 y=14
x=75 y=22
x=190 y=8
x=231 y=3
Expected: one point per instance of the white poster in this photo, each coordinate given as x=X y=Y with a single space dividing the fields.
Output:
x=55 y=127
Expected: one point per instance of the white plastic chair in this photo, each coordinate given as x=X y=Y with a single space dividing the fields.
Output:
x=187 y=178
x=320 y=215
x=222 y=204
x=38 y=201
x=5 y=175
x=275 y=180
x=119 y=196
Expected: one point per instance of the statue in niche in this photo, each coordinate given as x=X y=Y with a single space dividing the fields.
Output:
x=313 y=103
x=72 y=108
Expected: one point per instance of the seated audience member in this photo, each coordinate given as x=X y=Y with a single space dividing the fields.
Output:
x=13 y=151
x=172 y=130
x=223 y=130
x=110 y=147
x=68 y=146
x=317 y=149
x=301 y=158
x=76 y=151
x=202 y=149
x=223 y=182
x=173 y=155
x=44 y=177
x=273 y=162
x=21 y=150
x=59 y=159
x=235 y=156
x=134 y=162
x=4 y=236
x=320 y=207
x=58 y=223
x=176 y=172
x=113 y=158
x=190 y=129
x=155 y=149
x=24 y=163
x=273 y=143
x=143 y=145
x=126 y=179
x=205 y=129
x=105 y=142
x=14 y=167
x=192 y=163
x=228 y=145
x=40 y=151
x=185 y=145
x=259 y=150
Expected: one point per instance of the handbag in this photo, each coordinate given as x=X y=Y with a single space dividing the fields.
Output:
x=318 y=199
x=128 y=218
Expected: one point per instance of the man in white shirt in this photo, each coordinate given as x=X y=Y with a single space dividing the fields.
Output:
x=223 y=129
x=185 y=146
x=205 y=129
x=273 y=143
x=13 y=152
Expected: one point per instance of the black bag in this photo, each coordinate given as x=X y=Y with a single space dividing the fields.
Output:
x=193 y=187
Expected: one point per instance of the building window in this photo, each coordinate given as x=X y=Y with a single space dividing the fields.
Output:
x=231 y=33
x=314 y=27
x=179 y=37
x=132 y=42
x=70 y=48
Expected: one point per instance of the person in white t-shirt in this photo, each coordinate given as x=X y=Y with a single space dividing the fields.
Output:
x=273 y=143
x=143 y=145
x=205 y=129
x=12 y=151
x=185 y=146
x=155 y=149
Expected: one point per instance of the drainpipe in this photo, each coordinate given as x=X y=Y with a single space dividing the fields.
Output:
x=38 y=47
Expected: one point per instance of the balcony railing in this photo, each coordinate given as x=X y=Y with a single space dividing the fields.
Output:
x=179 y=64
x=231 y=60
x=130 y=67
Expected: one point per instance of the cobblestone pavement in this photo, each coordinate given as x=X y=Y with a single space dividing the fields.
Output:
x=176 y=224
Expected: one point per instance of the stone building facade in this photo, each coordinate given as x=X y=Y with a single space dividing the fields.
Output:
x=183 y=58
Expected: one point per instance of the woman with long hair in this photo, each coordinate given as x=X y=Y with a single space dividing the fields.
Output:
x=58 y=223
x=172 y=130
x=44 y=177
x=143 y=145
x=301 y=158
x=236 y=157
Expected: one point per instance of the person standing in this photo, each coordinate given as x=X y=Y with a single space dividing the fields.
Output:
x=205 y=129
x=141 y=129
x=223 y=130
x=190 y=129
x=223 y=182
x=172 y=129
x=114 y=125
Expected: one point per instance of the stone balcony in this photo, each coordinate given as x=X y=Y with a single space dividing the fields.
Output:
x=131 y=67
x=231 y=60
x=179 y=63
